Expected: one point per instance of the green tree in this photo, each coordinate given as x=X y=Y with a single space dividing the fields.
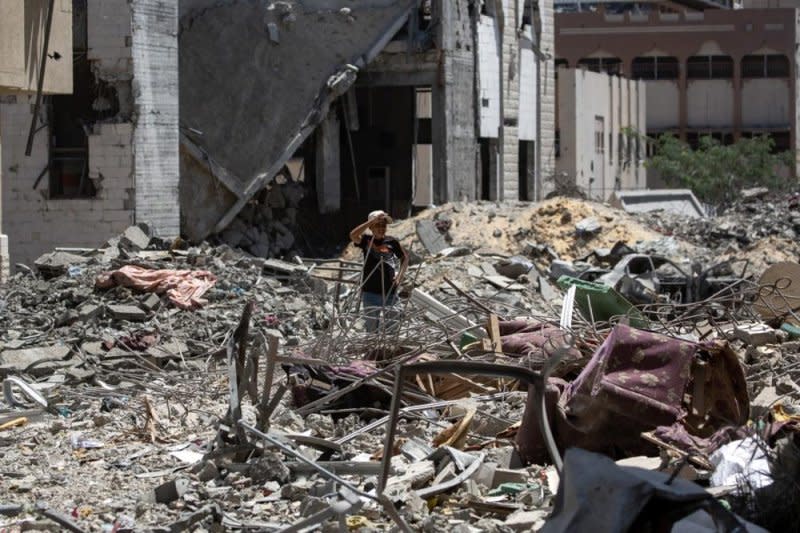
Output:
x=716 y=172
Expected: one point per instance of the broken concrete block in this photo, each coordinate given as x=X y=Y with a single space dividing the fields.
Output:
x=151 y=303
x=548 y=292
x=16 y=361
x=430 y=237
x=755 y=334
x=87 y=312
x=127 y=312
x=509 y=475
x=206 y=471
x=513 y=267
x=560 y=268
x=763 y=401
x=786 y=385
x=526 y=520
x=57 y=263
x=588 y=227
x=171 y=490
x=748 y=195
x=134 y=239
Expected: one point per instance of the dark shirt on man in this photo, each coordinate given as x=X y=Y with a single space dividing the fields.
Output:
x=382 y=259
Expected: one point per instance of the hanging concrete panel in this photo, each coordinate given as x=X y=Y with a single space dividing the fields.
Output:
x=488 y=77
x=527 y=91
x=766 y=103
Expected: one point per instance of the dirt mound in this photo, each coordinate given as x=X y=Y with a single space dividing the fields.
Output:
x=505 y=227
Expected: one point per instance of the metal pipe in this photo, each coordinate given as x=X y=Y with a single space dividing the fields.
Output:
x=40 y=84
x=524 y=375
x=300 y=457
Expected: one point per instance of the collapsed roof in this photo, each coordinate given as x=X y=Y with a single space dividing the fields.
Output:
x=256 y=78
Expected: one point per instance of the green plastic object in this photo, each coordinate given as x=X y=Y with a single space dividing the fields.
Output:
x=467 y=338
x=604 y=300
x=791 y=329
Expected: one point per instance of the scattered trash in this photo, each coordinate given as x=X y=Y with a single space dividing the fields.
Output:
x=742 y=463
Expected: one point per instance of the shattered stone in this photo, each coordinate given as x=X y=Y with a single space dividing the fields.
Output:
x=526 y=520
x=57 y=263
x=269 y=467
x=49 y=358
x=134 y=239
x=755 y=334
x=151 y=302
x=171 y=490
x=786 y=385
x=127 y=312
x=513 y=267
x=588 y=227
x=88 y=311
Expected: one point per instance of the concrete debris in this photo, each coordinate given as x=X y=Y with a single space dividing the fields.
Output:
x=127 y=312
x=134 y=239
x=266 y=407
x=588 y=227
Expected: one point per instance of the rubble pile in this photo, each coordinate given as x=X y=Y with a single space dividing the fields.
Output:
x=763 y=230
x=204 y=388
x=266 y=226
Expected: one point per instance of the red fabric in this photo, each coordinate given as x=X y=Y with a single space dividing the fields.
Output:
x=184 y=288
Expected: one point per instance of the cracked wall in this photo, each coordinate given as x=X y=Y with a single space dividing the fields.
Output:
x=135 y=105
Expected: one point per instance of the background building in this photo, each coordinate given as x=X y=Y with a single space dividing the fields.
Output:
x=598 y=115
x=718 y=72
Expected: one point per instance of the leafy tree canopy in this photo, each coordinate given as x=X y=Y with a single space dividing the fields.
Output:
x=716 y=172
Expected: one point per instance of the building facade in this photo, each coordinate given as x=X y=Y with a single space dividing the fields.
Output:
x=725 y=73
x=598 y=115
x=379 y=104
x=110 y=84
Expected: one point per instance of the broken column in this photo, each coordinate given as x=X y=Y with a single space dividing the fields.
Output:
x=155 y=82
x=328 y=168
x=453 y=126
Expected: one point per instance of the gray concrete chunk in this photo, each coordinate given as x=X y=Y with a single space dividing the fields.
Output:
x=134 y=239
x=15 y=361
x=431 y=239
x=127 y=312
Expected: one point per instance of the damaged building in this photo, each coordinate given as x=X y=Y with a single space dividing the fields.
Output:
x=93 y=148
x=288 y=110
x=374 y=104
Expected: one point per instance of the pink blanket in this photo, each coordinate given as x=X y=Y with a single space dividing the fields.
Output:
x=184 y=288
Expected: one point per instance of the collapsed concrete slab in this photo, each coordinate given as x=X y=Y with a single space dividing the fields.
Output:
x=238 y=58
x=676 y=201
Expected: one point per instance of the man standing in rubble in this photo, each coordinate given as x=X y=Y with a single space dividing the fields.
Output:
x=385 y=262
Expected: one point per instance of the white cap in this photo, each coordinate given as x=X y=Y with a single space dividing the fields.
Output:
x=376 y=214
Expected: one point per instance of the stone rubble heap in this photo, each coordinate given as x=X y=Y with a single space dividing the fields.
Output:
x=122 y=394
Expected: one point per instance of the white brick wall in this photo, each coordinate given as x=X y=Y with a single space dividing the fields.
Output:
x=5 y=259
x=511 y=76
x=35 y=224
x=527 y=89
x=125 y=178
